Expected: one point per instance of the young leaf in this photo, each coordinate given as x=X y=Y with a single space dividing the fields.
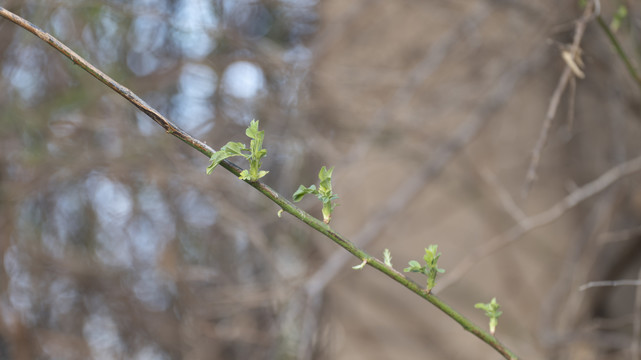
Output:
x=325 y=177
x=492 y=311
x=234 y=148
x=230 y=149
x=302 y=191
x=257 y=152
x=244 y=175
x=431 y=260
x=414 y=266
x=387 y=257
x=619 y=16
x=252 y=131
x=430 y=269
x=431 y=256
x=324 y=193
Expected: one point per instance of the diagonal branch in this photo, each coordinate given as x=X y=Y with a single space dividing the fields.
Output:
x=619 y=49
x=285 y=204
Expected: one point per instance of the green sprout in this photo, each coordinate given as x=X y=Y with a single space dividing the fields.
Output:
x=360 y=266
x=617 y=19
x=256 y=153
x=492 y=311
x=387 y=257
x=324 y=193
x=430 y=269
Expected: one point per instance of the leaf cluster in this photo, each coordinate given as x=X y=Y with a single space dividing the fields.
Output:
x=256 y=153
x=430 y=269
x=492 y=311
x=323 y=192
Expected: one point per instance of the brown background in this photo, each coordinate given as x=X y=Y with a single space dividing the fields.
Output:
x=383 y=91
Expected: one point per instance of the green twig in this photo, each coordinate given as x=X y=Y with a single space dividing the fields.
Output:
x=617 y=46
x=281 y=201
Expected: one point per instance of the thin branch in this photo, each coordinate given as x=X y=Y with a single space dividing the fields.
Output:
x=545 y=130
x=574 y=53
x=543 y=218
x=285 y=204
x=610 y=283
x=619 y=50
x=571 y=105
x=579 y=255
x=636 y=326
x=621 y=235
x=507 y=201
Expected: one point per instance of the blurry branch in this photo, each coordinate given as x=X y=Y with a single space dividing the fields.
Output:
x=571 y=105
x=610 y=283
x=572 y=58
x=636 y=326
x=619 y=50
x=543 y=218
x=580 y=256
x=285 y=204
x=621 y=235
x=507 y=201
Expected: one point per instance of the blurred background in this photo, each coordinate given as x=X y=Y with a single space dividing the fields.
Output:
x=116 y=245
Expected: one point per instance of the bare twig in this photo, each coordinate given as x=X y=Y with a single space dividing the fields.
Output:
x=574 y=53
x=507 y=201
x=543 y=218
x=636 y=325
x=578 y=258
x=621 y=235
x=571 y=104
x=610 y=283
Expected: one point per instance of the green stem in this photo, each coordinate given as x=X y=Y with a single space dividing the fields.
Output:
x=327 y=211
x=281 y=201
x=619 y=50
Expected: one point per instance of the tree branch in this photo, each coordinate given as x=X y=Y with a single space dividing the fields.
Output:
x=569 y=71
x=285 y=204
x=617 y=46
